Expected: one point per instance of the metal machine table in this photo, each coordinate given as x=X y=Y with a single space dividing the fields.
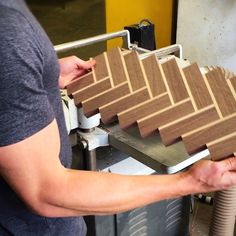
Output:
x=151 y=151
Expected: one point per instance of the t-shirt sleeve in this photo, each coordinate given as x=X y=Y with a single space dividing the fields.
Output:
x=24 y=104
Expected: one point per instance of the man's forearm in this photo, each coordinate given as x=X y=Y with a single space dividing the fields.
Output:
x=86 y=193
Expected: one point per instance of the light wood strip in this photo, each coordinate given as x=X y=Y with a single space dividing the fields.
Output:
x=110 y=110
x=149 y=124
x=175 y=81
x=197 y=86
x=116 y=66
x=100 y=69
x=129 y=117
x=222 y=92
x=91 y=91
x=154 y=75
x=91 y=106
x=136 y=74
x=223 y=147
x=173 y=131
x=196 y=140
x=80 y=83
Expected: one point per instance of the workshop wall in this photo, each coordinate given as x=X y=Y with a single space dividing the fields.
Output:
x=69 y=20
x=206 y=29
x=122 y=13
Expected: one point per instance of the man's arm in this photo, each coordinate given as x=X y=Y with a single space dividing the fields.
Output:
x=32 y=168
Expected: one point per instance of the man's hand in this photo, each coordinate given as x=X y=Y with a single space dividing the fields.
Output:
x=71 y=68
x=209 y=176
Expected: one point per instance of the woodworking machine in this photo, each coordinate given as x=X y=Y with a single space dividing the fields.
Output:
x=108 y=148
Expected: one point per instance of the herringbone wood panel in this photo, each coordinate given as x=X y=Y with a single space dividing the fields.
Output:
x=179 y=103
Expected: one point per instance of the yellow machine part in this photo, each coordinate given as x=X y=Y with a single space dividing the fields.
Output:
x=127 y=12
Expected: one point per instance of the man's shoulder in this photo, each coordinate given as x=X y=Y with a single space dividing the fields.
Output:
x=14 y=17
x=13 y=5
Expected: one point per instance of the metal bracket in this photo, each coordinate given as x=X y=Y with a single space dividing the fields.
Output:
x=175 y=49
x=94 y=139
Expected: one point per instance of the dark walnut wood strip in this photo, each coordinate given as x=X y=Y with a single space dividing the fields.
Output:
x=136 y=74
x=222 y=93
x=233 y=82
x=91 y=106
x=172 y=132
x=154 y=75
x=148 y=125
x=129 y=117
x=175 y=81
x=110 y=111
x=91 y=91
x=197 y=86
x=196 y=140
x=116 y=66
x=226 y=73
x=222 y=148
x=80 y=83
x=100 y=69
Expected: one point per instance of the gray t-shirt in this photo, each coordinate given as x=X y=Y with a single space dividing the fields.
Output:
x=29 y=101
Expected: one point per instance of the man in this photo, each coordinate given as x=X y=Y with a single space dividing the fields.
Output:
x=39 y=194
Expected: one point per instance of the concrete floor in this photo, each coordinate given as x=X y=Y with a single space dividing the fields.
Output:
x=200 y=219
x=69 y=20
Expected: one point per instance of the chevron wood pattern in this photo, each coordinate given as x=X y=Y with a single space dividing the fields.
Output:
x=116 y=66
x=149 y=124
x=223 y=147
x=100 y=69
x=154 y=75
x=91 y=90
x=91 y=105
x=172 y=131
x=80 y=83
x=197 y=139
x=197 y=86
x=175 y=81
x=233 y=83
x=128 y=118
x=179 y=103
x=109 y=111
x=221 y=91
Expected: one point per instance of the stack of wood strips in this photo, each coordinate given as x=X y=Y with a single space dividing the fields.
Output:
x=179 y=103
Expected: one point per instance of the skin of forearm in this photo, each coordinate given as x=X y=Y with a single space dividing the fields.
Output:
x=88 y=193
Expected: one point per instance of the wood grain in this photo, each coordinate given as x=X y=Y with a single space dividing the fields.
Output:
x=148 y=125
x=109 y=111
x=222 y=148
x=80 y=83
x=173 y=131
x=154 y=75
x=91 y=106
x=222 y=93
x=196 y=140
x=116 y=66
x=197 y=86
x=136 y=75
x=175 y=81
x=233 y=82
x=128 y=118
x=91 y=91
x=100 y=69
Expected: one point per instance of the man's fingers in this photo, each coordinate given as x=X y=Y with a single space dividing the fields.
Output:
x=229 y=164
x=229 y=178
x=86 y=64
